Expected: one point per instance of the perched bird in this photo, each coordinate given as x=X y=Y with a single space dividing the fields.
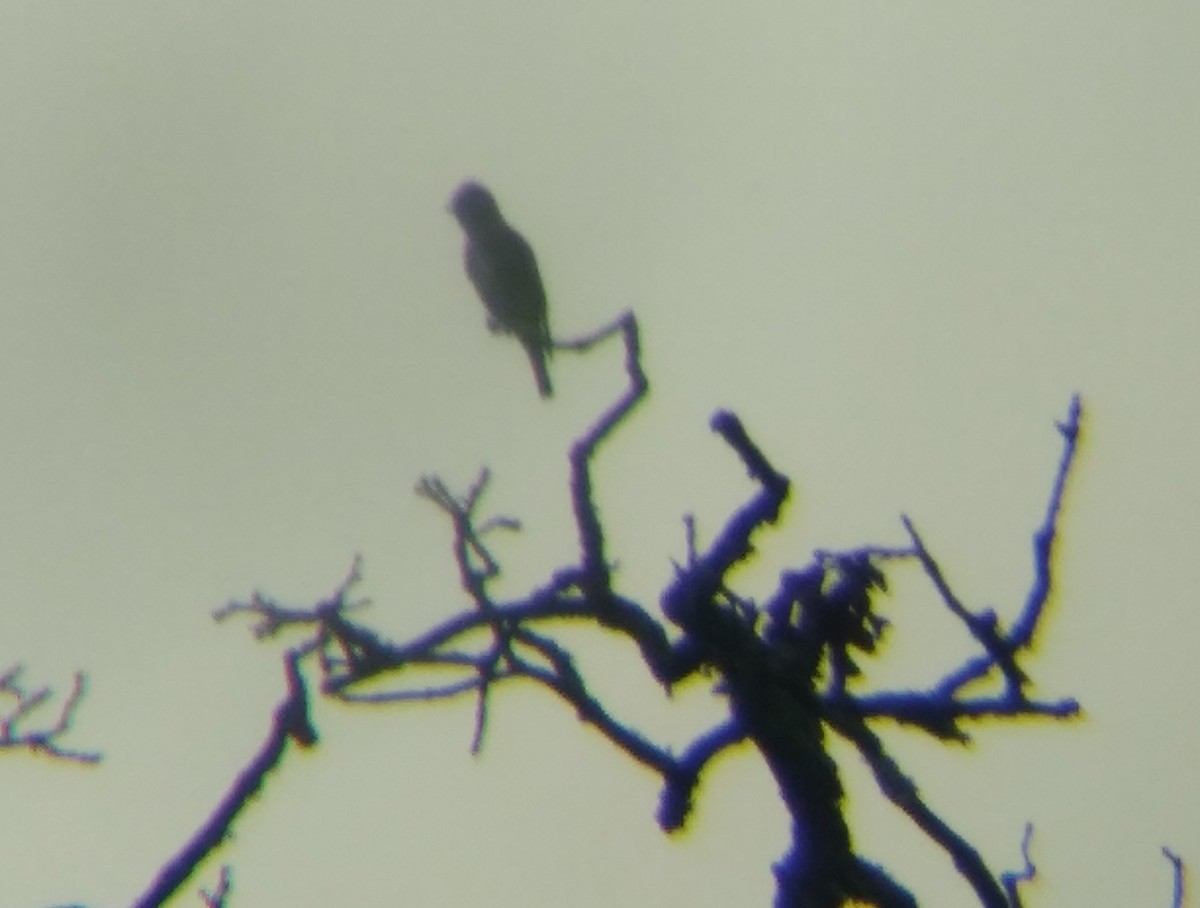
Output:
x=501 y=265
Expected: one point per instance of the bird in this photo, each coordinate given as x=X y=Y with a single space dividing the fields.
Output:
x=501 y=265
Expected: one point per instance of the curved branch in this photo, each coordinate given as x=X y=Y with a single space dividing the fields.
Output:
x=1178 y=874
x=1011 y=880
x=567 y=683
x=696 y=587
x=675 y=802
x=596 y=577
x=290 y=721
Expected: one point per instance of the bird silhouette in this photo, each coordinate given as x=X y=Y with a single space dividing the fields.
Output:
x=501 y=265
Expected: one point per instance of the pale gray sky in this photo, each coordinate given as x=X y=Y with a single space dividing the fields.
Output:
x=234 y=331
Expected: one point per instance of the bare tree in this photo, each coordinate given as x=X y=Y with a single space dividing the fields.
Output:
x=787 y=667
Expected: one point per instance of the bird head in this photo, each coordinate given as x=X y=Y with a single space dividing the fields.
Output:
x=473 y=205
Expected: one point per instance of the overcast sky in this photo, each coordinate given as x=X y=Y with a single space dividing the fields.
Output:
x=235 y=331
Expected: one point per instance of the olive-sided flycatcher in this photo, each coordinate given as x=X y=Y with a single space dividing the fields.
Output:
x=501 y=265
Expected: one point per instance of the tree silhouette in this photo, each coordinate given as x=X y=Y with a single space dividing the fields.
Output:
x=790 y=669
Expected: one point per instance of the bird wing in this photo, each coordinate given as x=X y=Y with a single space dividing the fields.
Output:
x=505 y=274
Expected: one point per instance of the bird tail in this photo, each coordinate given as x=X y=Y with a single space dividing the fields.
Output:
x=541 y=372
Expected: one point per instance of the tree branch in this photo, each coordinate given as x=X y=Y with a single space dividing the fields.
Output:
x=787 y=669
x=44 y=740
x=290 y=722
